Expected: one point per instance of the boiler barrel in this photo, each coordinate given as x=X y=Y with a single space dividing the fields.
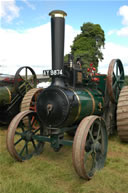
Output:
x=60 y=107
x=90 y=102
x=5 y=96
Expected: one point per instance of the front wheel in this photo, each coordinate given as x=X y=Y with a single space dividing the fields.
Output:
x=90 y=146
x=21 y=139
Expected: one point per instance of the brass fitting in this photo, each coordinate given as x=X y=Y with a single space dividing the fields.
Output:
x=58 y=13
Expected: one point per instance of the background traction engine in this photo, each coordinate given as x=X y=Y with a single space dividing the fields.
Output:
x=12 y=91
x=74 y=103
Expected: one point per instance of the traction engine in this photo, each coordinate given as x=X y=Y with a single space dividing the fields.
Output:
x=12 y=91
x=76 y=103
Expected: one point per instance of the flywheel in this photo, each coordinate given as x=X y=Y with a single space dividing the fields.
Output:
x=122 y=115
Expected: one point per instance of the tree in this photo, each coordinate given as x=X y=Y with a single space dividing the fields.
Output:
x=88 y=43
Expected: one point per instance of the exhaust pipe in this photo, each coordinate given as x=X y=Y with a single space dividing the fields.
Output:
x=57 y=37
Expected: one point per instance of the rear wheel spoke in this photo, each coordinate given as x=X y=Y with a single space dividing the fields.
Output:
x=33 y=121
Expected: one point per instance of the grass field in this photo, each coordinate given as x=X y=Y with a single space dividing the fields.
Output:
x=53 y=172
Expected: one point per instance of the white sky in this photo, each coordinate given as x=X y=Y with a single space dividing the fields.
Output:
x=33 y=46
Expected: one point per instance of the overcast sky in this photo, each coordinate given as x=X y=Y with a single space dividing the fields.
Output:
x=25 y=36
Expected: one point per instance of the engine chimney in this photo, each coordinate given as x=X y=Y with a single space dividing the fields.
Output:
x=57 y=36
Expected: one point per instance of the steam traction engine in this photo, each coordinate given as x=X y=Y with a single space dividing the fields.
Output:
x=75 y=103
x=13 y=89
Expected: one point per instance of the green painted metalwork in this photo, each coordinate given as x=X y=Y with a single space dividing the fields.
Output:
x=91 y=102
x=5 y=95
x=102 y=82
x=53 y=139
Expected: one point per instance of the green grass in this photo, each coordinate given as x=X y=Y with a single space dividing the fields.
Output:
x=53 y=172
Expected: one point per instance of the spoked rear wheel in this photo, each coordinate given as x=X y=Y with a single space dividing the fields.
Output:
x=115 y=79
x=21 y=140
x=90 y=146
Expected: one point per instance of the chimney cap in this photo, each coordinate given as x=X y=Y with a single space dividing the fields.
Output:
x=57 y=13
